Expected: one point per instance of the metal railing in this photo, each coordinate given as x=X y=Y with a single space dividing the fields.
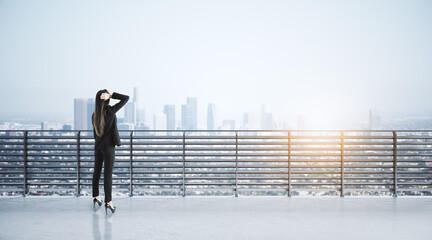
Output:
x=222 y=163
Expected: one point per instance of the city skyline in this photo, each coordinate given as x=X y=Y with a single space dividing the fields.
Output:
x=296 y=58
x=132 y=118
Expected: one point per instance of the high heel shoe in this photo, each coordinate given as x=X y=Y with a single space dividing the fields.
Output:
x=95 y=200
x=107 y=206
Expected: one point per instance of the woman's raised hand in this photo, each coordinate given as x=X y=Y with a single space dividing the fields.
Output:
x=105 y=96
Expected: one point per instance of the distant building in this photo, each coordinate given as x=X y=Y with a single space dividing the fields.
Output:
x=136 y=97
x=67 y=127
x=160 y=121
x=266 y=119
x=184 y=117
x=142 y=126
x=169 y=111
x=374 y=120
x=211 y=116
x=130 y=113
x=248 y=121
x=139 y=111
x=81 y=117
x=190 y=114
x=125 y=126
x=90 y=110
x=44 y=125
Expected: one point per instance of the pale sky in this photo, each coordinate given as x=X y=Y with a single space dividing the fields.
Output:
x=321 y=58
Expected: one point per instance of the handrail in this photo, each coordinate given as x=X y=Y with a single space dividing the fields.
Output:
x=222 y=162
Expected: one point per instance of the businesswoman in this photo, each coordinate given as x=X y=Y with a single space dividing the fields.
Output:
x=106 y=137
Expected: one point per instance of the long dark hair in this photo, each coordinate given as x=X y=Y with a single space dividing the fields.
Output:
x=98 y=117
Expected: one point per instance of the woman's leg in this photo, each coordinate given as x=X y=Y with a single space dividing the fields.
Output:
x=98 y=161
x=108 y=170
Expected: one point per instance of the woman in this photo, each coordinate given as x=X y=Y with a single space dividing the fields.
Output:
x=106 y=137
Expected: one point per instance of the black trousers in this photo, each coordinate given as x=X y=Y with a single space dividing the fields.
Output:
x=106 y=157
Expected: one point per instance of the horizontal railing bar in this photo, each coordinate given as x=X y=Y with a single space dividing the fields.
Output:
x=367 y=143
x=414 y=143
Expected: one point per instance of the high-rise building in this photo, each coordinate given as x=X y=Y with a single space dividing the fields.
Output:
x=266 y=119
x=169 y=111
x=90 y=110
x=248 y=121
x=160 y=121
x=211 y=116
x=184 y=116
x=125 y=126
x=136 y=97
x=80 y=113
x=67 y=127
x=130 y=113
x=374 y=120
x=190 y=114
x=44 y=126
x=139 y=111
x=192 y=102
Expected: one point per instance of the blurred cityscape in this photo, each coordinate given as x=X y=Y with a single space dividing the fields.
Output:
x=185 y=117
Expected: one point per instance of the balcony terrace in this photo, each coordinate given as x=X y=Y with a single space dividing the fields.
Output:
x=259 y=185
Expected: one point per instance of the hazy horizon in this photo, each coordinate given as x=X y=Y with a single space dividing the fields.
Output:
x=324 y=59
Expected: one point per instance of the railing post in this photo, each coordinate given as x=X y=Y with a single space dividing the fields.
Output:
x=289 y=164
x=78 y=162
x=342 y=194
x=131 y=165
x=25 y=162
x=184 y=164
x=395 y=176
x=236 y=164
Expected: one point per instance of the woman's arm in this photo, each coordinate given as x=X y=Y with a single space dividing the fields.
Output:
x=123 y=100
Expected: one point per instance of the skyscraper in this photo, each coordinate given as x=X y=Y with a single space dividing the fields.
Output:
x=248 y=121
x=190 y=114
x=184 y=116
x=374 y=119
x=169 y=110
x=139 y=112
x=192 y=102
x=44 y=126
x=130 y=113
x=90 y=110
x=266 y=119
x=211 y=116
x=80 y=113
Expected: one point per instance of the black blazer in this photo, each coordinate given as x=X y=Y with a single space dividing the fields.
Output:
x=110 y=137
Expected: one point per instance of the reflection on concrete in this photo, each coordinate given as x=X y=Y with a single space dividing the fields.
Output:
x=217 y=218
x=108 y=228
x=97 y=212
x=96 y=231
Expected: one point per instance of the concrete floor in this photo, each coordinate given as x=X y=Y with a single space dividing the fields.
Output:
x=218 y=218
